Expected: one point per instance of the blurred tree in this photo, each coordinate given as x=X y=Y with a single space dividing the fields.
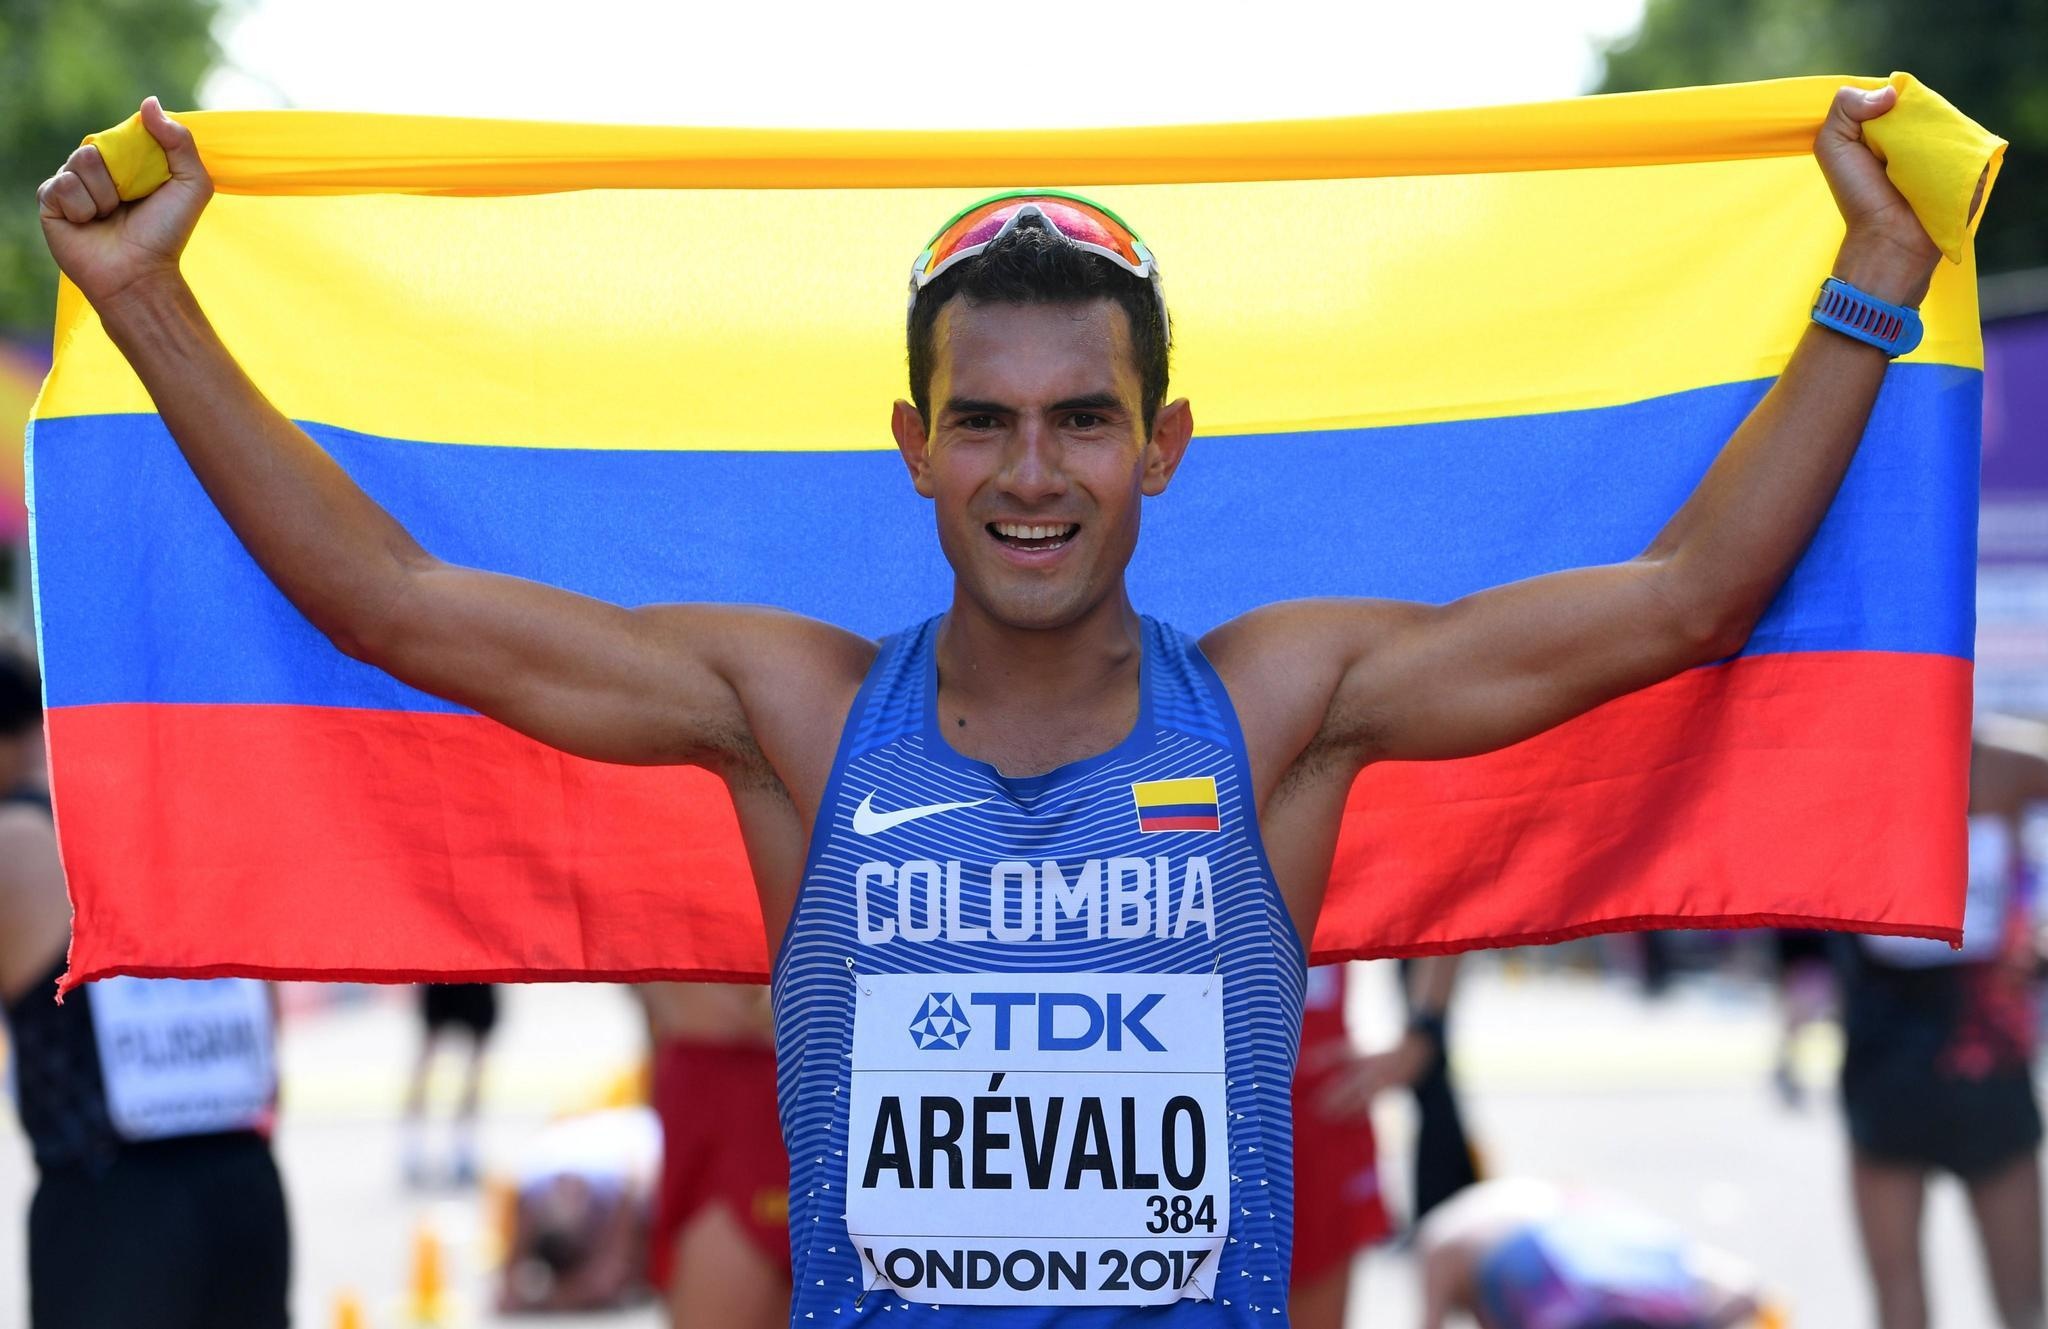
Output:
x=1989 y=57
x=68 y=67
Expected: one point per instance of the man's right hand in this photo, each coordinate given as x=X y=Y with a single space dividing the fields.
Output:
x=754 y=695
x=108 y=248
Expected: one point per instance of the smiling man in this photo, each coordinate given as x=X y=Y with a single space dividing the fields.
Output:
x=1039 y=868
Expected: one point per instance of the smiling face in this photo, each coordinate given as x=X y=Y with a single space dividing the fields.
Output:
x=1037 y=457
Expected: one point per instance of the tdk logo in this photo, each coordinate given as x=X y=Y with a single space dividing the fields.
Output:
x=1070 y=1021
x=938 y=1025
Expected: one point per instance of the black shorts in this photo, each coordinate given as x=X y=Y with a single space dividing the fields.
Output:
x=473 y=1006
x=1796 y=946
x=1905 y=1103
x=174 y=1234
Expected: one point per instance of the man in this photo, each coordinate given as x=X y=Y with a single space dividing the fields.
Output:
x=1523 y=1254
x=1037 y=996
x=581 y=1195
x=720 y=1247
x=1339 y=1208
x=1937 y=1068
x=147 y=1104
x=468 y=1011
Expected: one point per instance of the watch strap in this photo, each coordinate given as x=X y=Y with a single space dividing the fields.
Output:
x=1893 y=329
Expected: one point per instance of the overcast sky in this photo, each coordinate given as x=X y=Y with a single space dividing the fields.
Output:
x=968 y=63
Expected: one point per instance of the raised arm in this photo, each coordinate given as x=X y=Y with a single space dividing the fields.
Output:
x=1410 y=681
x=657 y=685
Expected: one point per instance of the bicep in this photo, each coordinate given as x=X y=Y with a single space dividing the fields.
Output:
x=1427 y=682
x=657 y=685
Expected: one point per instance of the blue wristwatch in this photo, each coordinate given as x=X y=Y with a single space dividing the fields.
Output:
x=1893 y=329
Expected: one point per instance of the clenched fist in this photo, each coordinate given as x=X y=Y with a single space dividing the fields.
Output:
x=107 y=247
x=1886 y=248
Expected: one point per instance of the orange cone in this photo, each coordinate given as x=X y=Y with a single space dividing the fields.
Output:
x=429 y=1294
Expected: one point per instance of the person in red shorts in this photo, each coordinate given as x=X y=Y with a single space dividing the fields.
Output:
x=1339 y=1208
x=720 y=1240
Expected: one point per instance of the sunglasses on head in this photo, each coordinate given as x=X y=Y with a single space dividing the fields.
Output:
x=1084 y=224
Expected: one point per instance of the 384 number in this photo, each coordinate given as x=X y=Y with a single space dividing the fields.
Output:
x=1181 y=1214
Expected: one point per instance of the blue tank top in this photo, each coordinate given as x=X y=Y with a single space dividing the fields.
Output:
x=1035 y=1036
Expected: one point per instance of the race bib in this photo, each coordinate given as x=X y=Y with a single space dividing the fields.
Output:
x=183 y=1056
x=1039 y=1139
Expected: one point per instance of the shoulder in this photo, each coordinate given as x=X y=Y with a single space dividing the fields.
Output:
x=757 y=633
x=1328 y=632
x=777 y=661
x=1301 y=650
x=794 y=680
x=1285 y=667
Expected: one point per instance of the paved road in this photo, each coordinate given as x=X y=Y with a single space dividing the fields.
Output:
x=1568 y=1077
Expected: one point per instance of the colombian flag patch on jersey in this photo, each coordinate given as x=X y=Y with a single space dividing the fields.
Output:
x=1177 y=805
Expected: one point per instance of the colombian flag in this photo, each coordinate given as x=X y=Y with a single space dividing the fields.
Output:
x=1177 y=805
x=1427 y=354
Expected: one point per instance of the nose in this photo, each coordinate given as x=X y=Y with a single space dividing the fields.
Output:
x=1034 y=465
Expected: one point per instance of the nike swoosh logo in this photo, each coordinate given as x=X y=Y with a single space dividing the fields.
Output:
x=867 y=821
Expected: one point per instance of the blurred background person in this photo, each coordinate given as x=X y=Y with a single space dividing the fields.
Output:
x=720 y=1246
x=1937 y=1072
x=1806 y=992
x=463 y=1012
x=147 y=1103
x=1339 y=1206
x=582 y=1200
x=1446 y=1160
x=1524 y=1254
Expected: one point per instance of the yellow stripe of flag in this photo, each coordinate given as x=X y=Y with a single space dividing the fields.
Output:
x=1200 y=789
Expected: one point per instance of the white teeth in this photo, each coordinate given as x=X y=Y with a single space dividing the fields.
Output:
x=1020 y=531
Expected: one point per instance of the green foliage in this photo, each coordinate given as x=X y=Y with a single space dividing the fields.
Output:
x=1989 y=57
x=68 y=67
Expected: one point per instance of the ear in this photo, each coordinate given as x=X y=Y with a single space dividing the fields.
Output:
x=914 y=442
x=1172 y=428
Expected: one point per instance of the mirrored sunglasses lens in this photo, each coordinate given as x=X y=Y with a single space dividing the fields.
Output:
x=1077 y=223
x=974 y=229
x=1089 y=228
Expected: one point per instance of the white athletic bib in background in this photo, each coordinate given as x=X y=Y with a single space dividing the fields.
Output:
x=184 y=1056
x=1039 y=1139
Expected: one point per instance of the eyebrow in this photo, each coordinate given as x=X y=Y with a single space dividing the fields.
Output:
x=1093 y=401
x=973 y=406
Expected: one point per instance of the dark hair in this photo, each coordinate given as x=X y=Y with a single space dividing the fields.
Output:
x=1035 y=265
x=562 y=1251
x=21 y=687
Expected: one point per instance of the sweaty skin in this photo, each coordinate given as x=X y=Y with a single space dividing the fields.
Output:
x=1036 y=420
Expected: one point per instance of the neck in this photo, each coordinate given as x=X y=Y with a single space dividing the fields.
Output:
x=982 y=659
